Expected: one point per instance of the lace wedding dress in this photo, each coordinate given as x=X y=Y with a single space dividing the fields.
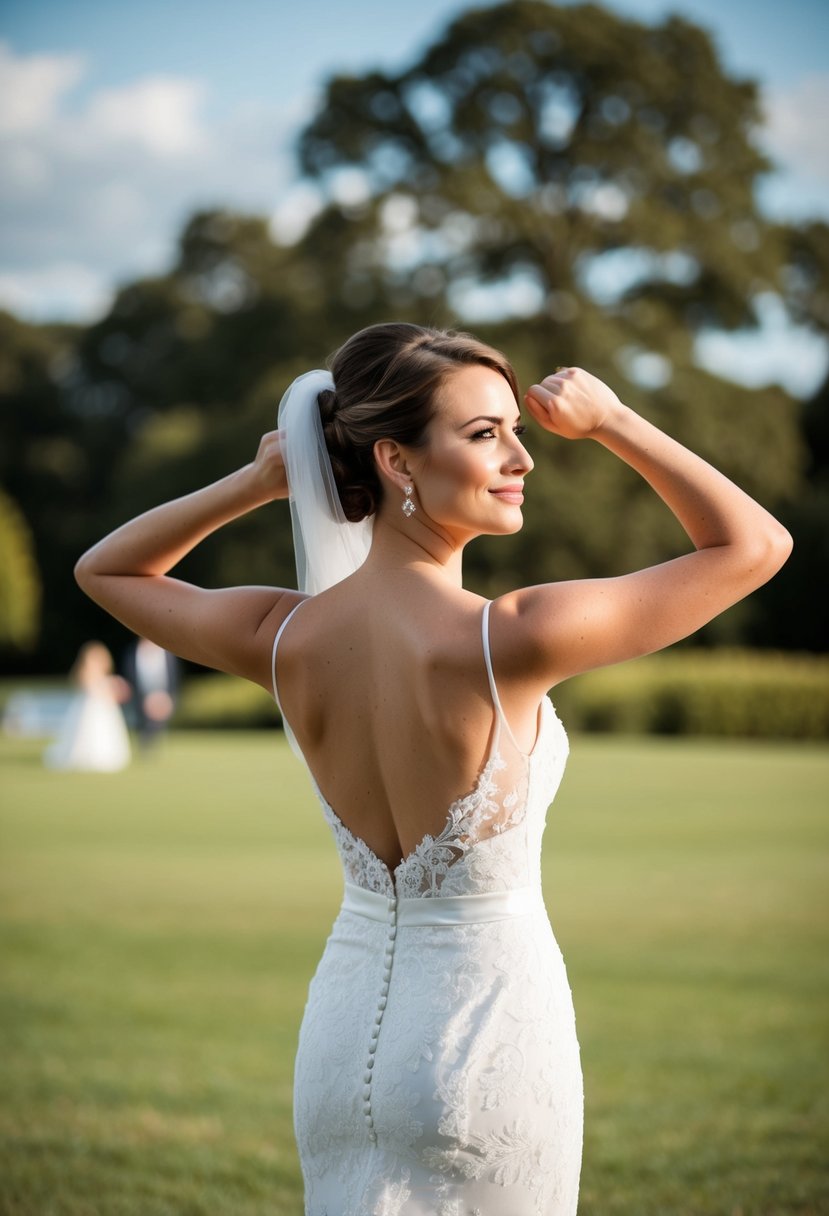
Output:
x=438 y=1069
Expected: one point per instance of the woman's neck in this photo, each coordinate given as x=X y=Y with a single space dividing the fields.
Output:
x=417 y=546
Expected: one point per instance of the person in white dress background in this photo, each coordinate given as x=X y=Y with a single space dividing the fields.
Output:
x=93 y=734
x=438 y=1066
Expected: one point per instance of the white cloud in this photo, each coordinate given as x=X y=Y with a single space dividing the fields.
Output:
x=296 y=211
x=95 y=188
x=28 y=170
x=31 y=89
x=518 y=296
x=115 y=206
x=795 y=138
x=160 y=114
x=779 y=352
x=796 y=125
x=61 y=289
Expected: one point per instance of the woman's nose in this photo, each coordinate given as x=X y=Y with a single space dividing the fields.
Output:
x=520 y=460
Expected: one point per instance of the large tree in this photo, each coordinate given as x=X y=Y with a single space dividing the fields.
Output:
x=534 y=141
x=594 y=178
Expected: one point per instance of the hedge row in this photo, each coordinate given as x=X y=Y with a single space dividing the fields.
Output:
x=739 y=694
x=220 y=702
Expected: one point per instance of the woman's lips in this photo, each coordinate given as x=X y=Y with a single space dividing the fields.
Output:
x=513 y=494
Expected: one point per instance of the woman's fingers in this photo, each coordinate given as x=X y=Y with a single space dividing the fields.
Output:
x=570 y=403
x=270 y=464
x=538 y=392
x=539 y=401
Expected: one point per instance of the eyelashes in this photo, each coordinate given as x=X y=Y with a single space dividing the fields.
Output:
x=489 y=432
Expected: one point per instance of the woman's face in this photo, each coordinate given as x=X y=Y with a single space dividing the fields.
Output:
x=469 y=477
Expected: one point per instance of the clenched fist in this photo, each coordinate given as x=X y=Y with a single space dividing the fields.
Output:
x=571 y=403
x=268 y=467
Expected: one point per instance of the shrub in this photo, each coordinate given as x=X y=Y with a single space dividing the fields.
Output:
x=731 y=693
x=221 y=702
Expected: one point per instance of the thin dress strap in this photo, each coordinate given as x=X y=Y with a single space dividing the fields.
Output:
x=496 y=700
x=273 y=654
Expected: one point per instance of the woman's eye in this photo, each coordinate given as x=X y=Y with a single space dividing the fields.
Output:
x=489 y=432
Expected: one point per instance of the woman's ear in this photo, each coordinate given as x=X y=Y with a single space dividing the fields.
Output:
x=391 y=462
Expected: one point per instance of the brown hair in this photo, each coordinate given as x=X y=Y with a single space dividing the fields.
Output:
x=386 y=380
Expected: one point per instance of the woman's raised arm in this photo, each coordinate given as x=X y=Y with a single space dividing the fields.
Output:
x=556 y=630
x=230 y=629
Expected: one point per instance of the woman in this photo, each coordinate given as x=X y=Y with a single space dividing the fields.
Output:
x=93 y=734
x=438 y=1066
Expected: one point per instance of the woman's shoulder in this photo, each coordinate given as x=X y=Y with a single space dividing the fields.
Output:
x=524 y=631
x=441 y=627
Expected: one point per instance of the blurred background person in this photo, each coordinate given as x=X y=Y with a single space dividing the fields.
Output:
x=152 y=674
x=93 y=734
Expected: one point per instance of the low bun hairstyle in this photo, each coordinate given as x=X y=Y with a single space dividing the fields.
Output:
x=386 y=381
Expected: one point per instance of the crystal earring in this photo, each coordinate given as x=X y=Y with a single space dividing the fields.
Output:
x=408 y=508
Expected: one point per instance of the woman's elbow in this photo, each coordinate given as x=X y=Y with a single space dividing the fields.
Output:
x=84 y=572
x=771 y=552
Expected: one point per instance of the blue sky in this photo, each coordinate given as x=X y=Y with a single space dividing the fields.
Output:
x=118 y=119
x=258 y=47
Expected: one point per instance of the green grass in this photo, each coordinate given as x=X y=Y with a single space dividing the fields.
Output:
x=159 y=928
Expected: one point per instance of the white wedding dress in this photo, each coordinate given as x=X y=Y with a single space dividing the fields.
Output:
x=93 y=734
x=438 y=1070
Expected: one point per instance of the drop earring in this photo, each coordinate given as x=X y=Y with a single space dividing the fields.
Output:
x=408 y=508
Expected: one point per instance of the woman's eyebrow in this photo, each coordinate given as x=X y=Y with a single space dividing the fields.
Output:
x=481 y=418
x=496 y=421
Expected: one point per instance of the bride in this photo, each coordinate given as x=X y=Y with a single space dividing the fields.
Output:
x=438 y=1066
x=93 y=734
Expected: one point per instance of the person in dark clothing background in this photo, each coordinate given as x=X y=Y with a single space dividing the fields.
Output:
x=153 y=676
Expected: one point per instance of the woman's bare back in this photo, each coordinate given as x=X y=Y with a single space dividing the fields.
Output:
x=390 y=703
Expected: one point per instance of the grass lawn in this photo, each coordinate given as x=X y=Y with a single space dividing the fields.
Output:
x=158 y=930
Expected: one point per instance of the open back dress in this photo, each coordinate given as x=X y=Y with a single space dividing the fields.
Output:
x=438 y=1069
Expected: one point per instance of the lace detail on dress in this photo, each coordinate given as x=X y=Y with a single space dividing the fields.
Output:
x=361 y=866
x=473 y=818
x=470 y=820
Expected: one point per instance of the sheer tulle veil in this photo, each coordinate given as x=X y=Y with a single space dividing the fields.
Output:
x=327 y=547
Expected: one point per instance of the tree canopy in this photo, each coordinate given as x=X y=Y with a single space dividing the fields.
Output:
x=535 y=142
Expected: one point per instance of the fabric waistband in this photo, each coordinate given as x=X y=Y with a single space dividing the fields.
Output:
x=443 y=909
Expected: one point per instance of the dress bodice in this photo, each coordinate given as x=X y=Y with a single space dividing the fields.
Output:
x=491 y=838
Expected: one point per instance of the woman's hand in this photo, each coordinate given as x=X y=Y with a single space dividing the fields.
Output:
x=268 y=468
x=572 y=403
